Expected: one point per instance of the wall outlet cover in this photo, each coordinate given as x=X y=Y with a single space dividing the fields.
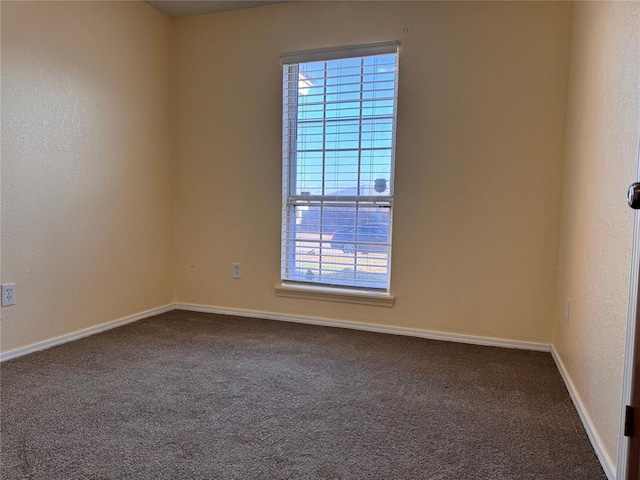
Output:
x=237 y=270
x=8 y=294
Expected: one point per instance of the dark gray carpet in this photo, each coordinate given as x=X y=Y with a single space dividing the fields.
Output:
x=198 y=396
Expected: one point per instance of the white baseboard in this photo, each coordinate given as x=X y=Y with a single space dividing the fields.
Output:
x=69 y=337
x=369 y=327
x=595 y=439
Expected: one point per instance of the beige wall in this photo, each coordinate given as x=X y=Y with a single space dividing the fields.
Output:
x=603 y=121
x=478 y=167
x=86 y=186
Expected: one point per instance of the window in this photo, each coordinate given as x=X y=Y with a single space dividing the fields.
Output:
x=339 y=120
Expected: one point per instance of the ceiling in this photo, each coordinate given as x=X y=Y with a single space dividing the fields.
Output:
x=189 y=8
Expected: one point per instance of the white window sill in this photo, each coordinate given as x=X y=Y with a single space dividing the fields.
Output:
x=331 y=294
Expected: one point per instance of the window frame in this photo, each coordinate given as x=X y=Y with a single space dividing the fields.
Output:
x=351 y=293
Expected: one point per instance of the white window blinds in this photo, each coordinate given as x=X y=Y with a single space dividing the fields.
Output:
x=339 y=118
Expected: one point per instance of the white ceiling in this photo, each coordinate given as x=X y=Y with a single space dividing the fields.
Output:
x=189 y=8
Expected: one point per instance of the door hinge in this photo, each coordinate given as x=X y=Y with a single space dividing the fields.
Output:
x=628 y=421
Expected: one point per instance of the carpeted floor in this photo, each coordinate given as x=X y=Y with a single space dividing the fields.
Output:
x=198 y=396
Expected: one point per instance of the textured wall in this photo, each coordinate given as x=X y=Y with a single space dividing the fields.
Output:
x=86 y=186
x=478 y=167
x=603 y=121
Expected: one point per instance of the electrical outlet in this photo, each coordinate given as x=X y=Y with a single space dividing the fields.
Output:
x=8 y=294
x=237 y=270
x=567 y=309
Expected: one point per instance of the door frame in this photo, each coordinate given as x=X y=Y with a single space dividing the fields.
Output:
x=633 y=335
